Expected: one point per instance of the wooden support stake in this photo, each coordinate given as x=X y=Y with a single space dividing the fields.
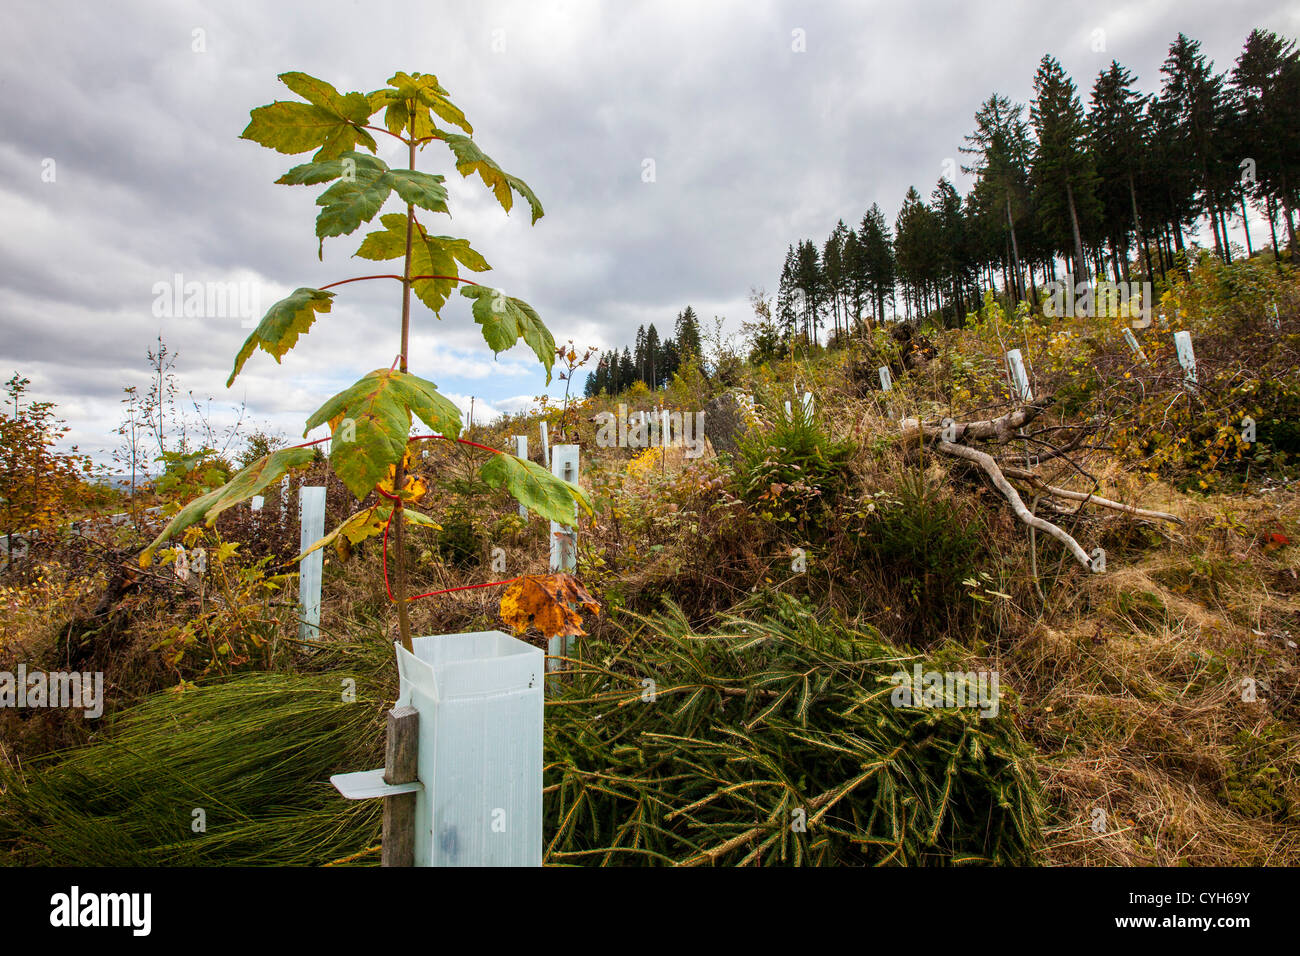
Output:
x=400 y=758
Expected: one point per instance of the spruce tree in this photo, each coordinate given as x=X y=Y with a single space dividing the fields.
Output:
x=787 y=304
x=878 y=267
x=1063 y=177
x=1117 y=127
x=1001 y=149
x=855 y=289
x=1193 y=96
x=687 y=334
x=1266 y=79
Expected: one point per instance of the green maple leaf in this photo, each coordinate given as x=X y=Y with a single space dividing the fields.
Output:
x=470 y=159
x=363 y=186
x=329 y=120
x=506 y=320
x=249 y=482
x=369 y=522
x=408 y=101
x=319 y=171
x=350 y=202
x=430 y=255
x=535 y=488
x=282 y=324
x=419 y=189
x=379 y=407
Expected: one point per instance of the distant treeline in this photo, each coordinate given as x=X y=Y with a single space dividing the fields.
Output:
x=652 y=361
x=1112 y=188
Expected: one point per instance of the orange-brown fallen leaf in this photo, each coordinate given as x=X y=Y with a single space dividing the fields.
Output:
x=545 y=602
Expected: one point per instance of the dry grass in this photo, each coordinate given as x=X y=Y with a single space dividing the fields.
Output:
x=1133 y=695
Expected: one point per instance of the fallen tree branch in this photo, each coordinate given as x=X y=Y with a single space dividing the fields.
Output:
x=1034 y=479
x=1002 y=429
x=949 y=441
x=991 y=468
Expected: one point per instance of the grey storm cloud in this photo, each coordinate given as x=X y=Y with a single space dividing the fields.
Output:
x=755 y=144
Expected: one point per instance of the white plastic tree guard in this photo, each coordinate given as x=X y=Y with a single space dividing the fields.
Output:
x=886 y=383
x=788 y=413
x=521 y=451
x=480 y=701
x=311 y=512
x=546 y=445
x=564 y=539
x=181 y=563
x=257 y=502
x=807 y=404
x=1019 y=378
x=564 y=544
x=478 y=781
x=1186 y=357
x=1132 y=341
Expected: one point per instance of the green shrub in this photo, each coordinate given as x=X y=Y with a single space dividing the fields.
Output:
x=459 y=543
x=925 y=545
x=794 y=472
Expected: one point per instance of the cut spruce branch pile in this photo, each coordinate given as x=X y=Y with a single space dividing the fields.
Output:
x=955 y=439
x=744 y=726
x=774 y=741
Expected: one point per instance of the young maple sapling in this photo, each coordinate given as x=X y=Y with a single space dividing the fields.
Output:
x=370 y=421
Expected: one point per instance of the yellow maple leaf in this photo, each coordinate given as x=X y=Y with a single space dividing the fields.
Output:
x=413 y=485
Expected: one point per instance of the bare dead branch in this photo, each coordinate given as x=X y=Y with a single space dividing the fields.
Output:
x=1035 y=480
x=990 y=466
x=1001 y=429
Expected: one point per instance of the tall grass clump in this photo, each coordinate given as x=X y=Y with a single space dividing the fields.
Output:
x=774 y=743
x=252 y=752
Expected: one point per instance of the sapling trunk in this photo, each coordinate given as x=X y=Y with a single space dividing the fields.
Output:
x=399 y=475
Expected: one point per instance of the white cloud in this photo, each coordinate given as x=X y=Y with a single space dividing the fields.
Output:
x=755 y=146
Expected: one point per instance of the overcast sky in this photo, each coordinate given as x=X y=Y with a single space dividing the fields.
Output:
x=121 y=166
